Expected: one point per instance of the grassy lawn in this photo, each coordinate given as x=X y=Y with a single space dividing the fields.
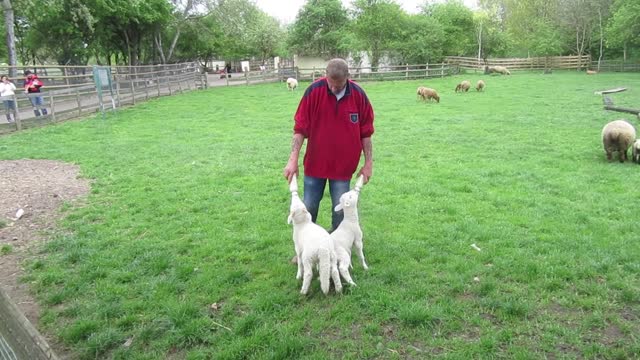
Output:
x=188 y=208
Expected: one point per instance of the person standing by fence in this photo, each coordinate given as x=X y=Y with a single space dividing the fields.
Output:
x=7 y=91
x=32 y=87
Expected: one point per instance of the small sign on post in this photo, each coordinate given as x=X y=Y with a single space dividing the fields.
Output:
x=102 y=79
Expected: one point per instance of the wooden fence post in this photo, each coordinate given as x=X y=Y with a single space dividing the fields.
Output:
x=79 y=103
x=16 y=114
x=426 y=73
x=313 y=74
x=157 y=79
x=52 y=106
x=133 y=89
x=406 y=74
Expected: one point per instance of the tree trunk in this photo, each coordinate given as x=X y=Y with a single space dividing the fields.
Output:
x=158 y=41
x=601 y=38
x=11 y=37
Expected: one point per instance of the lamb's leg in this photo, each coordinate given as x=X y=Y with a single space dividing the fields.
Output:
x=343 y=267
x=359 y=245
x=308 y=275
x=335 y=276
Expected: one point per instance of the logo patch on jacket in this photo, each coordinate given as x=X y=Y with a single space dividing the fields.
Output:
x=354 y=117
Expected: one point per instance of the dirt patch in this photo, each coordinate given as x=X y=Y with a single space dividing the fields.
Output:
x=39 y=188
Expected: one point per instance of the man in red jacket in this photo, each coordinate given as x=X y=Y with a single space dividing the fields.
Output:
x=336 y=118
x=32 y=87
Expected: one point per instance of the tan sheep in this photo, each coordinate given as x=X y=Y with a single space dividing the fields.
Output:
x=591 y=72
x=463 y=86
x=427 y=94
x=480 y=85
x=496 y=69
x=618 y=136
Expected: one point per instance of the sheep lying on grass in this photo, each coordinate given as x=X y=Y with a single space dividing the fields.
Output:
x=292 y=83
x=463 y=86
x=427 y=94
x=591 y=72
x=480 y=85
x=349 y=232
x=314 y=246
x=496 y=69
x=617 y=136
x=635 y=151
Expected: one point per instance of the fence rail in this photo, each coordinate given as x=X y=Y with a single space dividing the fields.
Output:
x=400 y=72
x=70 y=91
x=532 y=63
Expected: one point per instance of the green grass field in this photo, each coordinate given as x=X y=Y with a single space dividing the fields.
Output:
x=188 y=208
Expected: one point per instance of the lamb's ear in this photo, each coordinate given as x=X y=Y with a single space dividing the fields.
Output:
x=338 y=207
x=289 y=219
x=359 y=183
x=293 y=185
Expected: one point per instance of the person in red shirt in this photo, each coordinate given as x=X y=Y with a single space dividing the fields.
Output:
x=336 y=118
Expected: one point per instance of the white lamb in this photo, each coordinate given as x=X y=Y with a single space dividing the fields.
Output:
x=292 y=83
x=313 y=246
x=349 y=232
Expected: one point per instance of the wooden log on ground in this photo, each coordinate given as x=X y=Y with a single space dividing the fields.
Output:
x=624 y=110
x=610 y=91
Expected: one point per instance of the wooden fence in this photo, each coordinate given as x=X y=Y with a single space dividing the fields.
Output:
x=400 y=72
x=532 y=63
x=70 y=91
x=616 y=66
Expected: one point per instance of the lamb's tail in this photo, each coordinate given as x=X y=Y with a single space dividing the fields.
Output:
x=325 y=269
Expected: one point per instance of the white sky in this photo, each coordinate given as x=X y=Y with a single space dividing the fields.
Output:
x=286 y=10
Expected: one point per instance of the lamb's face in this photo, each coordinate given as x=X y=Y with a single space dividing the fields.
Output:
x=348 y=200
x=298 y=212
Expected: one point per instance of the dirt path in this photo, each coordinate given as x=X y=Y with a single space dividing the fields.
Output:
x=39 y=187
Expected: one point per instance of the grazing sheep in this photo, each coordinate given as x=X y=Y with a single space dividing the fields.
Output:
x=591 y=72
x=349 y=232
x=313 y=245
x=480 y=85
x=496 y=69
x=463 y=86
x=617 y=136
x=427 y=94
x=292 y=83
x=635 y=151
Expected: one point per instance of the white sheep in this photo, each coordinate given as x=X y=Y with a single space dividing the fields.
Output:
x=292 y=84
x=618 y=135
x=313 y=246
x=635 y=151
x=349 y=232
x=480 y=85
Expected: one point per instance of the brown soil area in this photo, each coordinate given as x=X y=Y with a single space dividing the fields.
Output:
x=39 y=188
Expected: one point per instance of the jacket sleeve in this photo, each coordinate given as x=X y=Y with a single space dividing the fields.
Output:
x=366 y=122
x=301 y=117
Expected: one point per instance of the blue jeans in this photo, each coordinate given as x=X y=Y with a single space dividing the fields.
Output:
x=313 y=192
x=37 y=102
x=10 y=107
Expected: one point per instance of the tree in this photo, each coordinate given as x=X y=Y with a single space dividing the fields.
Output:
x=623 y=28
x=10 y=37
x=320 y=29
x=265 y=36
x=458 y=25
x=379 y=25
x=421 y=42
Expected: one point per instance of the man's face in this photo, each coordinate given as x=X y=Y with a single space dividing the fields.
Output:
x=336 y=84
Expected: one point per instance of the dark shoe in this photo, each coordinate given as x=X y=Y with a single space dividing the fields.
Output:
x=44 y=111
x=37 y=112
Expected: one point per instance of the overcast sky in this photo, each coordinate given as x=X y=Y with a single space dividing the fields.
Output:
x=286 y=10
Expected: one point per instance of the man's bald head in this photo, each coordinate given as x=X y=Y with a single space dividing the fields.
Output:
x=337 y=69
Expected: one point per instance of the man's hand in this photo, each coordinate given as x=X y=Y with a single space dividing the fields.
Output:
x=290 y=170
x=367 y=171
